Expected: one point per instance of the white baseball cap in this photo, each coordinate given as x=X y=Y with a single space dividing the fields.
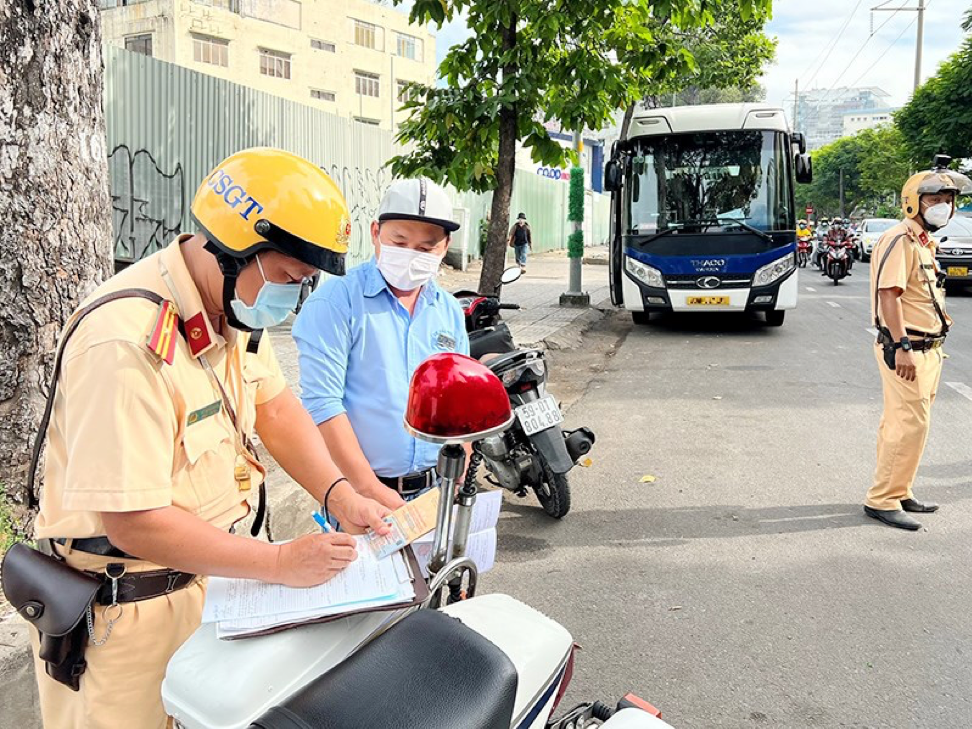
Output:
x=419 y=199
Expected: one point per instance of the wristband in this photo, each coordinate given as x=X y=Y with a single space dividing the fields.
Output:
x=327 y=495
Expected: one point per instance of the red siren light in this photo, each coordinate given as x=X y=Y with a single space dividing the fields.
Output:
x=456 y=399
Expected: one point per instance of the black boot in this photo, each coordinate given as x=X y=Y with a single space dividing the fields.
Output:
x=893 y=517
x=918 y=507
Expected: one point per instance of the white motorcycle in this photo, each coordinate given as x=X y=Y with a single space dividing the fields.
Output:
x=488 y=662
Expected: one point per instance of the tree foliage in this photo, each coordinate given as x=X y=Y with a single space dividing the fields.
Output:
x=875 y=165
x=527 y=62
x=939 y=116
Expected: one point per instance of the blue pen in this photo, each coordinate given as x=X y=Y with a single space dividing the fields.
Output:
x=318 y=517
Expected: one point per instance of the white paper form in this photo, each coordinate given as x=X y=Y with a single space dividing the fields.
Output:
x=367 y=579
x=481 y=548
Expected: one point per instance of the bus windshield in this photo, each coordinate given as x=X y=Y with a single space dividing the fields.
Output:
x=710 y=182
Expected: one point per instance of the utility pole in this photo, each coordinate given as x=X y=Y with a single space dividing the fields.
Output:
x=921 y=31
x=575 y=296
x=796 y=104
x=841 y=192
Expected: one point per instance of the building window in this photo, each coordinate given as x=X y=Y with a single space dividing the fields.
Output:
x=369 y=122
x=365 y=34
x=274 y=63
x=366 y=84
x=139 y=44
x=319 y=45
x=408 y=46
x=232 y=5
x=404 y=92
x=323 y=95
x=206 y=49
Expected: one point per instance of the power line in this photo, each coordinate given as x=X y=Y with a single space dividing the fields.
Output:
x=833 y=43
x=878 y=59
x=859 y=51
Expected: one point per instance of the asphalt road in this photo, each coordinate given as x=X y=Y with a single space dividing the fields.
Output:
x=745 y=587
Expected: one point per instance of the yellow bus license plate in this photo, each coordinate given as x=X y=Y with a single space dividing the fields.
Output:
x=958 y=271
x=708 y=301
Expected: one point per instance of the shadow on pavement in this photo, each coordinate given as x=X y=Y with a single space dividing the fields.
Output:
x=707 y=323
x=530 y=534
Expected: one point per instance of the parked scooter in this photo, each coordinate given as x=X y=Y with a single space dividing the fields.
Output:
x=487 y=662
x=535 y=453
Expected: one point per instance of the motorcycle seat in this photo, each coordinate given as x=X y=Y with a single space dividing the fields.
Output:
x=429 y=671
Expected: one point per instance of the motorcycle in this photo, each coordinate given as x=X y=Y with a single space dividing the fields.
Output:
x=804 y=249
x=485 y=662
x=839 y=259
x=535 y=453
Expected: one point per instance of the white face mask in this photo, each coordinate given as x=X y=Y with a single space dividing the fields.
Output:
x=938 y=215
x=406 y=269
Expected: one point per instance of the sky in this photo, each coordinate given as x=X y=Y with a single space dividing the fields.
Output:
x=805 y=28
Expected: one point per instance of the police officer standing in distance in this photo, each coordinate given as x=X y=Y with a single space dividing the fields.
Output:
x=909 y=313
x=149 y=463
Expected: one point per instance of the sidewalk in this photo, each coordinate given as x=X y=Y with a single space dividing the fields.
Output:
x=538 y=291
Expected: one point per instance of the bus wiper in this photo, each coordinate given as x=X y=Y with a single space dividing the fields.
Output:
x=656 y=236
x=735 y=221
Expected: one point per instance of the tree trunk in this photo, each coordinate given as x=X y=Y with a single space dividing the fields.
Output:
x=499 y=223
x=55 y=238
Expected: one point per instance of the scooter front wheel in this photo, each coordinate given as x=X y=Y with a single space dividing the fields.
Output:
x=553 y=491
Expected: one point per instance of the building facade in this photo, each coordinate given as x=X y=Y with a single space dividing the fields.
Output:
x=348 y=57
x=821 y=112
x=861 y=119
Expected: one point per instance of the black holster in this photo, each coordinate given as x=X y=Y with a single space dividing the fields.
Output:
x=63 y=655
x=886 y=341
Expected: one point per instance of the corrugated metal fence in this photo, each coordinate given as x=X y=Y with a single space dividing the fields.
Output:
x=168 y=126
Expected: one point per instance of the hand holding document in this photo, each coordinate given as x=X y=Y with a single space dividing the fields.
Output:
x=407 y=523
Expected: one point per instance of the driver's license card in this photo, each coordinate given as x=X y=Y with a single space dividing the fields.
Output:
x=407 y=523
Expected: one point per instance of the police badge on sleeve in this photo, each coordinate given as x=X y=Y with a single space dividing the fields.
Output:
x=444 y=341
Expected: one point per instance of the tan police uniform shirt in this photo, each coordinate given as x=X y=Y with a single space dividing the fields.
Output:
x=911 y=267
x=130 y=432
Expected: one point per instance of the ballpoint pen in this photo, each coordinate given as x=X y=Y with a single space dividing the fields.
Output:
x=319 y=518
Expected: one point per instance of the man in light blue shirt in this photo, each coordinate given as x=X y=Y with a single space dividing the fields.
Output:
x=360 y=338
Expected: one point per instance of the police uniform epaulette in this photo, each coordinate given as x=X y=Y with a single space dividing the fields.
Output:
x=163 y=336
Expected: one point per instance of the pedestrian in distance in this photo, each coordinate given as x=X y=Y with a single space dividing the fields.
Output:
x=907 y=295
x=521 y=240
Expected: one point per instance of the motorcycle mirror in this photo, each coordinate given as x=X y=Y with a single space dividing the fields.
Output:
x=511 y=274
x=803 y=166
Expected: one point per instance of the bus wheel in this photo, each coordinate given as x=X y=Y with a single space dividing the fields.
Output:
x=775 y=318
x=640 y=317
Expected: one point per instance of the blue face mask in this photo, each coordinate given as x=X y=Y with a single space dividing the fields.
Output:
x=273 y=303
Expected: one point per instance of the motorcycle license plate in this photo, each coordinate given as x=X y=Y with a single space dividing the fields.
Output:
x=707 y=301
x=958 y=271
x=539 y=415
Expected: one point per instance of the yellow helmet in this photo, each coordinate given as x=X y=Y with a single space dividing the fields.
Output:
x=265 y=198
x=932 y=182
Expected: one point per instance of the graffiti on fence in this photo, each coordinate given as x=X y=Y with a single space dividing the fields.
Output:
x=363 y=189
x=148 y=205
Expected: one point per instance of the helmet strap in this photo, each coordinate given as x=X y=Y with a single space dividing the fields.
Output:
x=230 y=267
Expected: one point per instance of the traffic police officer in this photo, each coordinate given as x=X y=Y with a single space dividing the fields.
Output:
x=909 y=304
x=149 y=465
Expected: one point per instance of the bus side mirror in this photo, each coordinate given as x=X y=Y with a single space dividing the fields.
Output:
x=612 y=176
x=803 y=165
x=799 y=139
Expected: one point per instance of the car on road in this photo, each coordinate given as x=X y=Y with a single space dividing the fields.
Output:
x=870 y=230
x=955 y=249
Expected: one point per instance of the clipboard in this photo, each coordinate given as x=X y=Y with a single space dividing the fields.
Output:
x=419 y=584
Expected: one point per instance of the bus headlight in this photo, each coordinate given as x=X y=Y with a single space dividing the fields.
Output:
x=644 y=273
x=774 y=271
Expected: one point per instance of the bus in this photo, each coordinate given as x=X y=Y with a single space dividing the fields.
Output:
x=703 y=215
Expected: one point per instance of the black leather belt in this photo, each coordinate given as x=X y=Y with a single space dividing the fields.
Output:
x=926 y=345
x=142 y=585
x=96 y=545
x=923 y=335
x=411 y=483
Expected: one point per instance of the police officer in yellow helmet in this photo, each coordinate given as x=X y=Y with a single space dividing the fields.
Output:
x=149 y=461
x=908 y=305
